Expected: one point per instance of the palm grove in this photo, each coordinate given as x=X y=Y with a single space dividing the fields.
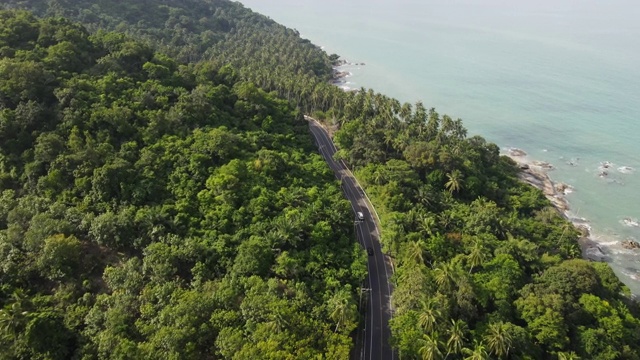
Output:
x=162 y=198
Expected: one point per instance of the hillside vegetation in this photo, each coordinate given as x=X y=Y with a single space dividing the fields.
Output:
x=220 y=32
x=155 y=210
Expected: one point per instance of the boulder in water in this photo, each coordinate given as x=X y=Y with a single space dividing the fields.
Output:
x=630 y=244
x=583 y=229
x=517 y=152
x=543 y=164
x=562 y=188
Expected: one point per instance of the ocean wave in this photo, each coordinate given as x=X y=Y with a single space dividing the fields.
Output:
x=632 y=273
x=626 y=170
x=578 y=220
x=630 y=222
x=607 y=243
x=621 y=251
x=606 y=164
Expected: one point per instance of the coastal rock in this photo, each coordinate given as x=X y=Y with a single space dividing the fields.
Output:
x=539 y=179
x=560 y=204
x=632 y=222
x=517 y=152
x=562 y=188
x=584 y=230
x=591 y=250
x=543 y=164
x=630 y=245
x=523 y=166
x=340 y=74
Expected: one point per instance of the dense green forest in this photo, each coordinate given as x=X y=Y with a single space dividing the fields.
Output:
x=156 y=210
x=218 y=31
x=161 y=198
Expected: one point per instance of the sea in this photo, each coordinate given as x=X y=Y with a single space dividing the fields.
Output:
x=559 y=79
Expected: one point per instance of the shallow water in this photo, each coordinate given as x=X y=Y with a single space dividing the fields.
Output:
x=558 y=79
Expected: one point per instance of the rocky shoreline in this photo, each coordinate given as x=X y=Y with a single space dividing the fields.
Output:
x=535 y=174
x=340 y=75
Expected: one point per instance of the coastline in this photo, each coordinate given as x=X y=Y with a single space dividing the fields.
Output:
x=342 y=71
x=594 y=246
x=535 y=173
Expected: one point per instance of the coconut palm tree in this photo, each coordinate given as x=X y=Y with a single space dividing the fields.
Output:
x=405 y=112
x=13 y=316
x=424 y=196
x=498 y=339
x=429 y=314
x=445 y=276
x=479 y=352
x=456 y=339
x=568 y=356
x=476 y=257
x=415 y=251
x=340 y=308
x=430 y=347
x=454 y=182
x=428 y=223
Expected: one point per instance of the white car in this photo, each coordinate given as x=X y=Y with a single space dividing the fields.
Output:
x=360 y=216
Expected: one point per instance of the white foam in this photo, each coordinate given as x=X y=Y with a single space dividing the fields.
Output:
x=631 y=222
x=626 y=169
x=621 y=251
x=607 y=243
x=631 y=274
x=579 y=220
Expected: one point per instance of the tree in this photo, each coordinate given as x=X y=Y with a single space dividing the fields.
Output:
x=568 y=356
x=429 y=315
x=497 y=339
x=415 y=250
x=430 y=347
x=60 y=256
x=479 y=352
x=445 y=275
x=457 y=335
x=454 y=182
x=342 y=311
x=476 y=256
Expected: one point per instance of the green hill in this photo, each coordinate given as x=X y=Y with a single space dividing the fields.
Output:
x=153 y=210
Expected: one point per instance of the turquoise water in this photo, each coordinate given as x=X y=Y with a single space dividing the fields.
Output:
x=559 y=79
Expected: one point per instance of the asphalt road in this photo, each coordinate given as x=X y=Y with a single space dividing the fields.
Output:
x=376 y=332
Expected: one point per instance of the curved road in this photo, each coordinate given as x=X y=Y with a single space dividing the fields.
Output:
x=376 y=332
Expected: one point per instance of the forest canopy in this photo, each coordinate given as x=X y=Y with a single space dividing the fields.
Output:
x=154 y=209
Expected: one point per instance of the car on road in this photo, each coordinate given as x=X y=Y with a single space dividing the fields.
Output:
x=370 y=251
x=360 y=216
